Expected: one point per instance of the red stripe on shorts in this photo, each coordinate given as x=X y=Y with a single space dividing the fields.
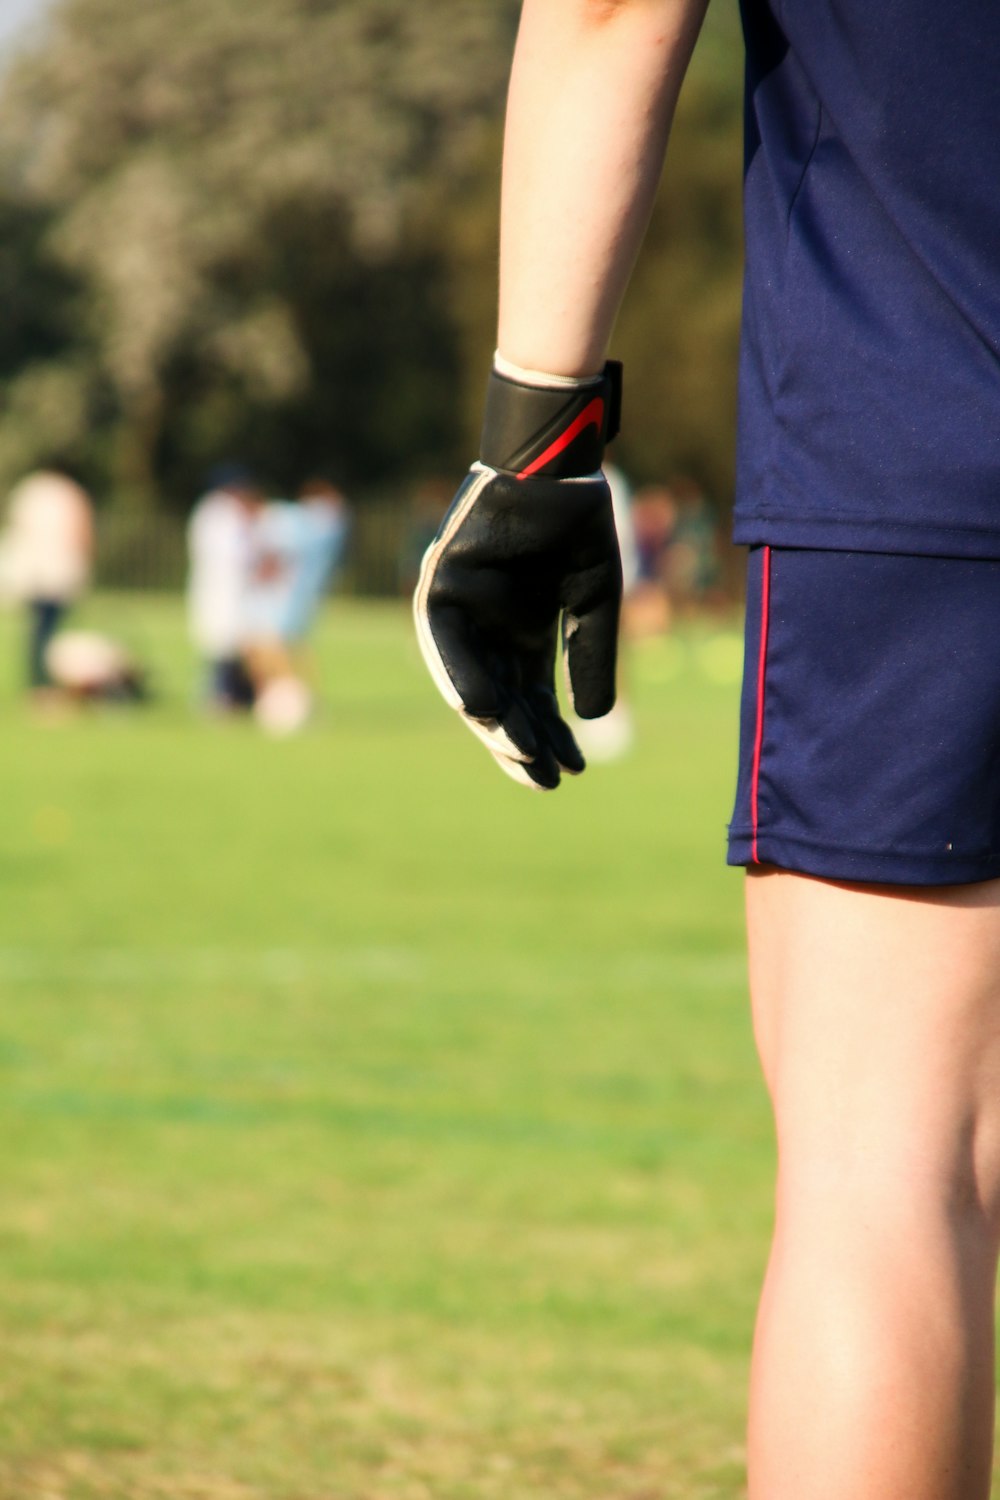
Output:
x=765 y=606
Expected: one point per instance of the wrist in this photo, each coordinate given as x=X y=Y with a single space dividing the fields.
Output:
x=550 y=426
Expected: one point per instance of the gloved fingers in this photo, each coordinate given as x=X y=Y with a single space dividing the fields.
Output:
x=557 y=732
x=510 y=734
x=517 y=771
x=506 y=726
x=447 y=640
x=540 y=774
x=489 y=680
x=461 y=669
x=520 y=743
x=565 y=748
x=544 y=768
x=590 y=652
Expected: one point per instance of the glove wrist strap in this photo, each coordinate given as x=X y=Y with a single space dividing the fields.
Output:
x=550 y=426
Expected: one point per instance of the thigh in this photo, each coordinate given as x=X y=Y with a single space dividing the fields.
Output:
x=877 y=1013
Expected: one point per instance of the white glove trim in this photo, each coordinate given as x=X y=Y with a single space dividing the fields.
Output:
x=511 y=371
x=492 y=734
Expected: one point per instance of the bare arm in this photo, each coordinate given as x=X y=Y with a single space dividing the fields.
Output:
x=527 y=553
x=591 y=100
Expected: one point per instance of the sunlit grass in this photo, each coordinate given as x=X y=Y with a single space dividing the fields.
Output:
x=373 y=1128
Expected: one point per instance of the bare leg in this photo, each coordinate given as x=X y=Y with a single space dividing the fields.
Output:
x=877 y=1014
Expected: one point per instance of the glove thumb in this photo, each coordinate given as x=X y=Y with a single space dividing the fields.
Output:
x=590 y=651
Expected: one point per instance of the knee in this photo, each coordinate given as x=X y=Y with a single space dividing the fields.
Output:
x=879 y=1200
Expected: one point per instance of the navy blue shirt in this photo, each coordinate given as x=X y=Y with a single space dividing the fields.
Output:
x=870 y=370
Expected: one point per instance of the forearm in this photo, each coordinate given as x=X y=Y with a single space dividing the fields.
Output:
x=592 y=96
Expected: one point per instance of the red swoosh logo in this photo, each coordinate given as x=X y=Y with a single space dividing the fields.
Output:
x=591 y=416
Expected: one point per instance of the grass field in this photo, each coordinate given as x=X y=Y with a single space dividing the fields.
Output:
x=373 y=1129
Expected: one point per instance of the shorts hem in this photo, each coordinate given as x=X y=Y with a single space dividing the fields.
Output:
x=869 y=866
x=854 y=534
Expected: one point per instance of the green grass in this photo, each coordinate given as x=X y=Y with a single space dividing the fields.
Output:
x=373 y=1130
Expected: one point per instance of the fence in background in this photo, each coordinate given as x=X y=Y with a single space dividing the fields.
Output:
x=144 y=552
x=149 y=552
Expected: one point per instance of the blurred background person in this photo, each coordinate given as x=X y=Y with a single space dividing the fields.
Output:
x=48 y=551
x=694 y=566
x=647 y=608
x=324 y=522
x=89 y=667
x=297 y=546
x=220 y=552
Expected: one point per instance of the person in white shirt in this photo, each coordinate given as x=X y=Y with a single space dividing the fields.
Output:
x=48 y=552
x=220 y=549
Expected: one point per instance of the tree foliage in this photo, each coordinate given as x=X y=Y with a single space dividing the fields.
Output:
x=267 y=228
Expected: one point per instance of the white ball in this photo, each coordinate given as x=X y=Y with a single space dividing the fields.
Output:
x=283 y=707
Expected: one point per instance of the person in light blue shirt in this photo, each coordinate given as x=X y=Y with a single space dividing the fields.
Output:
x=323 y=526
x=297 y=546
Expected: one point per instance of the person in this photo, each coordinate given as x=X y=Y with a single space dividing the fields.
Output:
x=296 y=548
x=220 y=533
x=48 y=551
x=325 y=523
x=649 y=605
x=90 y=667
x=868 y=800
x=693 y=562
x=277 y=542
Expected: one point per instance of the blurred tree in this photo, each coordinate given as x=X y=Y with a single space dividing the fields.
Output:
x=267 y=229
x=42 y=363
x=181 y=147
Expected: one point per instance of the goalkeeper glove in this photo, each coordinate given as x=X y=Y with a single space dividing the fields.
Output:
x=529 y=537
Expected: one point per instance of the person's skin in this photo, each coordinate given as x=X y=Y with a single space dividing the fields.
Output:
x=877 y=1011
x=592 y=95
x=877 y=1014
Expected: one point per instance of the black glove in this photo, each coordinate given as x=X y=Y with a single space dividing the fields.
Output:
x=529 y=536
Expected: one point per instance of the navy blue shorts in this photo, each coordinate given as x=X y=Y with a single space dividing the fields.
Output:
x=870 y=719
